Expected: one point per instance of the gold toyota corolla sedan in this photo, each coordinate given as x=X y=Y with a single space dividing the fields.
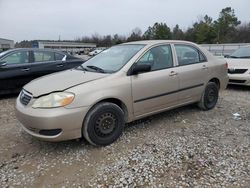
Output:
x=123 y=83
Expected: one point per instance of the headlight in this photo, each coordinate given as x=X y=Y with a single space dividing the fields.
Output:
x=54 y=100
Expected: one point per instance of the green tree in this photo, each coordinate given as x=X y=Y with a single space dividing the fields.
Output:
x=158 y=31
x=162 y=31
x=177 y=34
x=190 y=34
x=226 y=25
x=135 y=35
x=242 y=33
x=202 y=31
x=205 y=32
x=118 y=39
x=149 y=34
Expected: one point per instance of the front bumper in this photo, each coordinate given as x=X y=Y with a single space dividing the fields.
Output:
x=66 y=122
x=239 y=79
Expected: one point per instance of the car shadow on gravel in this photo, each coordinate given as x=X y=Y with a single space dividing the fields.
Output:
x=169 y=114
x=8 y=96
x=238 y=87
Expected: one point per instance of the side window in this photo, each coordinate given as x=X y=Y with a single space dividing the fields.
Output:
x=59 y=56
x=202 y=57
x=159 y=57
x=17 y=58
x=188 y=55
x=43 y=56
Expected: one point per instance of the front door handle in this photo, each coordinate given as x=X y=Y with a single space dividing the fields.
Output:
x=25 y=69
x=204 y=67
x=173 y=73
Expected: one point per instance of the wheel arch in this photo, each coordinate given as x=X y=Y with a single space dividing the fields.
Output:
x=216 y=81
x=116 y=101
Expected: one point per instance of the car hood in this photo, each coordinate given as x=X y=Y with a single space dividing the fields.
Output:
x=61 y=81
x=238 y=63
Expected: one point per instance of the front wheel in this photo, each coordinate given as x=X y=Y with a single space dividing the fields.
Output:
x=209 y=97
x=103 y=124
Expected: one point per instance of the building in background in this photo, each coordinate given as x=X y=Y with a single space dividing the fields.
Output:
x=67 y=46
x=6 y=44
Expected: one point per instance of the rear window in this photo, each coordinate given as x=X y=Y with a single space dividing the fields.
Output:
x=43 y=56
x=187 y=55
x=59 y=56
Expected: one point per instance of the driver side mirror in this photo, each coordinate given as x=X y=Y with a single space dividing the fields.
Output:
x=3 y=63
x=140 y=68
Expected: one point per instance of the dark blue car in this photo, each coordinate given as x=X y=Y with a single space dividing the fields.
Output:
x=20 y=66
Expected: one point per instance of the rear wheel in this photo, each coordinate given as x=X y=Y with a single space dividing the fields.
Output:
x=209 y=97
x=103 y=124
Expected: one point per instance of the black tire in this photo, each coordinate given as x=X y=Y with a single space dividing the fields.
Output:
x=103 y=124
x=209 y=97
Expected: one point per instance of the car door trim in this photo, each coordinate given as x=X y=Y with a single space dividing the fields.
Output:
x=168 y=93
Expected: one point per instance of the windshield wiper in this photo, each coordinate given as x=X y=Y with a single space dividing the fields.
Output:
x=240 y=57
x=98 y=69
x=81 y=67
x=233 y=56
x=245 y=57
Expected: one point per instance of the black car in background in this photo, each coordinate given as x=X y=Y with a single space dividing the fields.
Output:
x=20 y=66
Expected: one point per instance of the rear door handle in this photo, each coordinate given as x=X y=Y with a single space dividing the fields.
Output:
x=25 y=69
x=173 y=73
x=59 y=65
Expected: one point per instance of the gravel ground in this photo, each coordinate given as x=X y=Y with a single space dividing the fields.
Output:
x=185 y=147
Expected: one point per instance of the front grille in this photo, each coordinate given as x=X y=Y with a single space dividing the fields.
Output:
x=236 y=71
x=237 y=81
x=25 y=97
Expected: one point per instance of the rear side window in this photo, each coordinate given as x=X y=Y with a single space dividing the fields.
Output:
x=43 y=56
x=188 y=55
x=59 y=56
x=159 y=57
x=69 y=57
x=17 y=58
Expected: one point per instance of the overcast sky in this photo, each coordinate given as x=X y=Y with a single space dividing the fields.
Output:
x=47 y=19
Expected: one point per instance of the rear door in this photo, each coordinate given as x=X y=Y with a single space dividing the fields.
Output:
x=193 y=72
x=72 y=62
x=61 y=63
x=155 y=90
x=43 y=62
x=16 y=72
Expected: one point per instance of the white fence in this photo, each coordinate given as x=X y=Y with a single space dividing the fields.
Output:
x=223 y=49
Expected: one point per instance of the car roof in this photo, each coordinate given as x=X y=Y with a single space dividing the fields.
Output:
x=153 y=42
x=34 y=49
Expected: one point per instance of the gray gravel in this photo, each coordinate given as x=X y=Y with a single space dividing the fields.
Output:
x=185 y=147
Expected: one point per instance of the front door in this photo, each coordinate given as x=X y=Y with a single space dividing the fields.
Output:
x=15 y=73
x=155 y=90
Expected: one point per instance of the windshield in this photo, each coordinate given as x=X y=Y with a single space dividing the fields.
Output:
x=243 y=52
x=3 y=53
x=112 y=59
